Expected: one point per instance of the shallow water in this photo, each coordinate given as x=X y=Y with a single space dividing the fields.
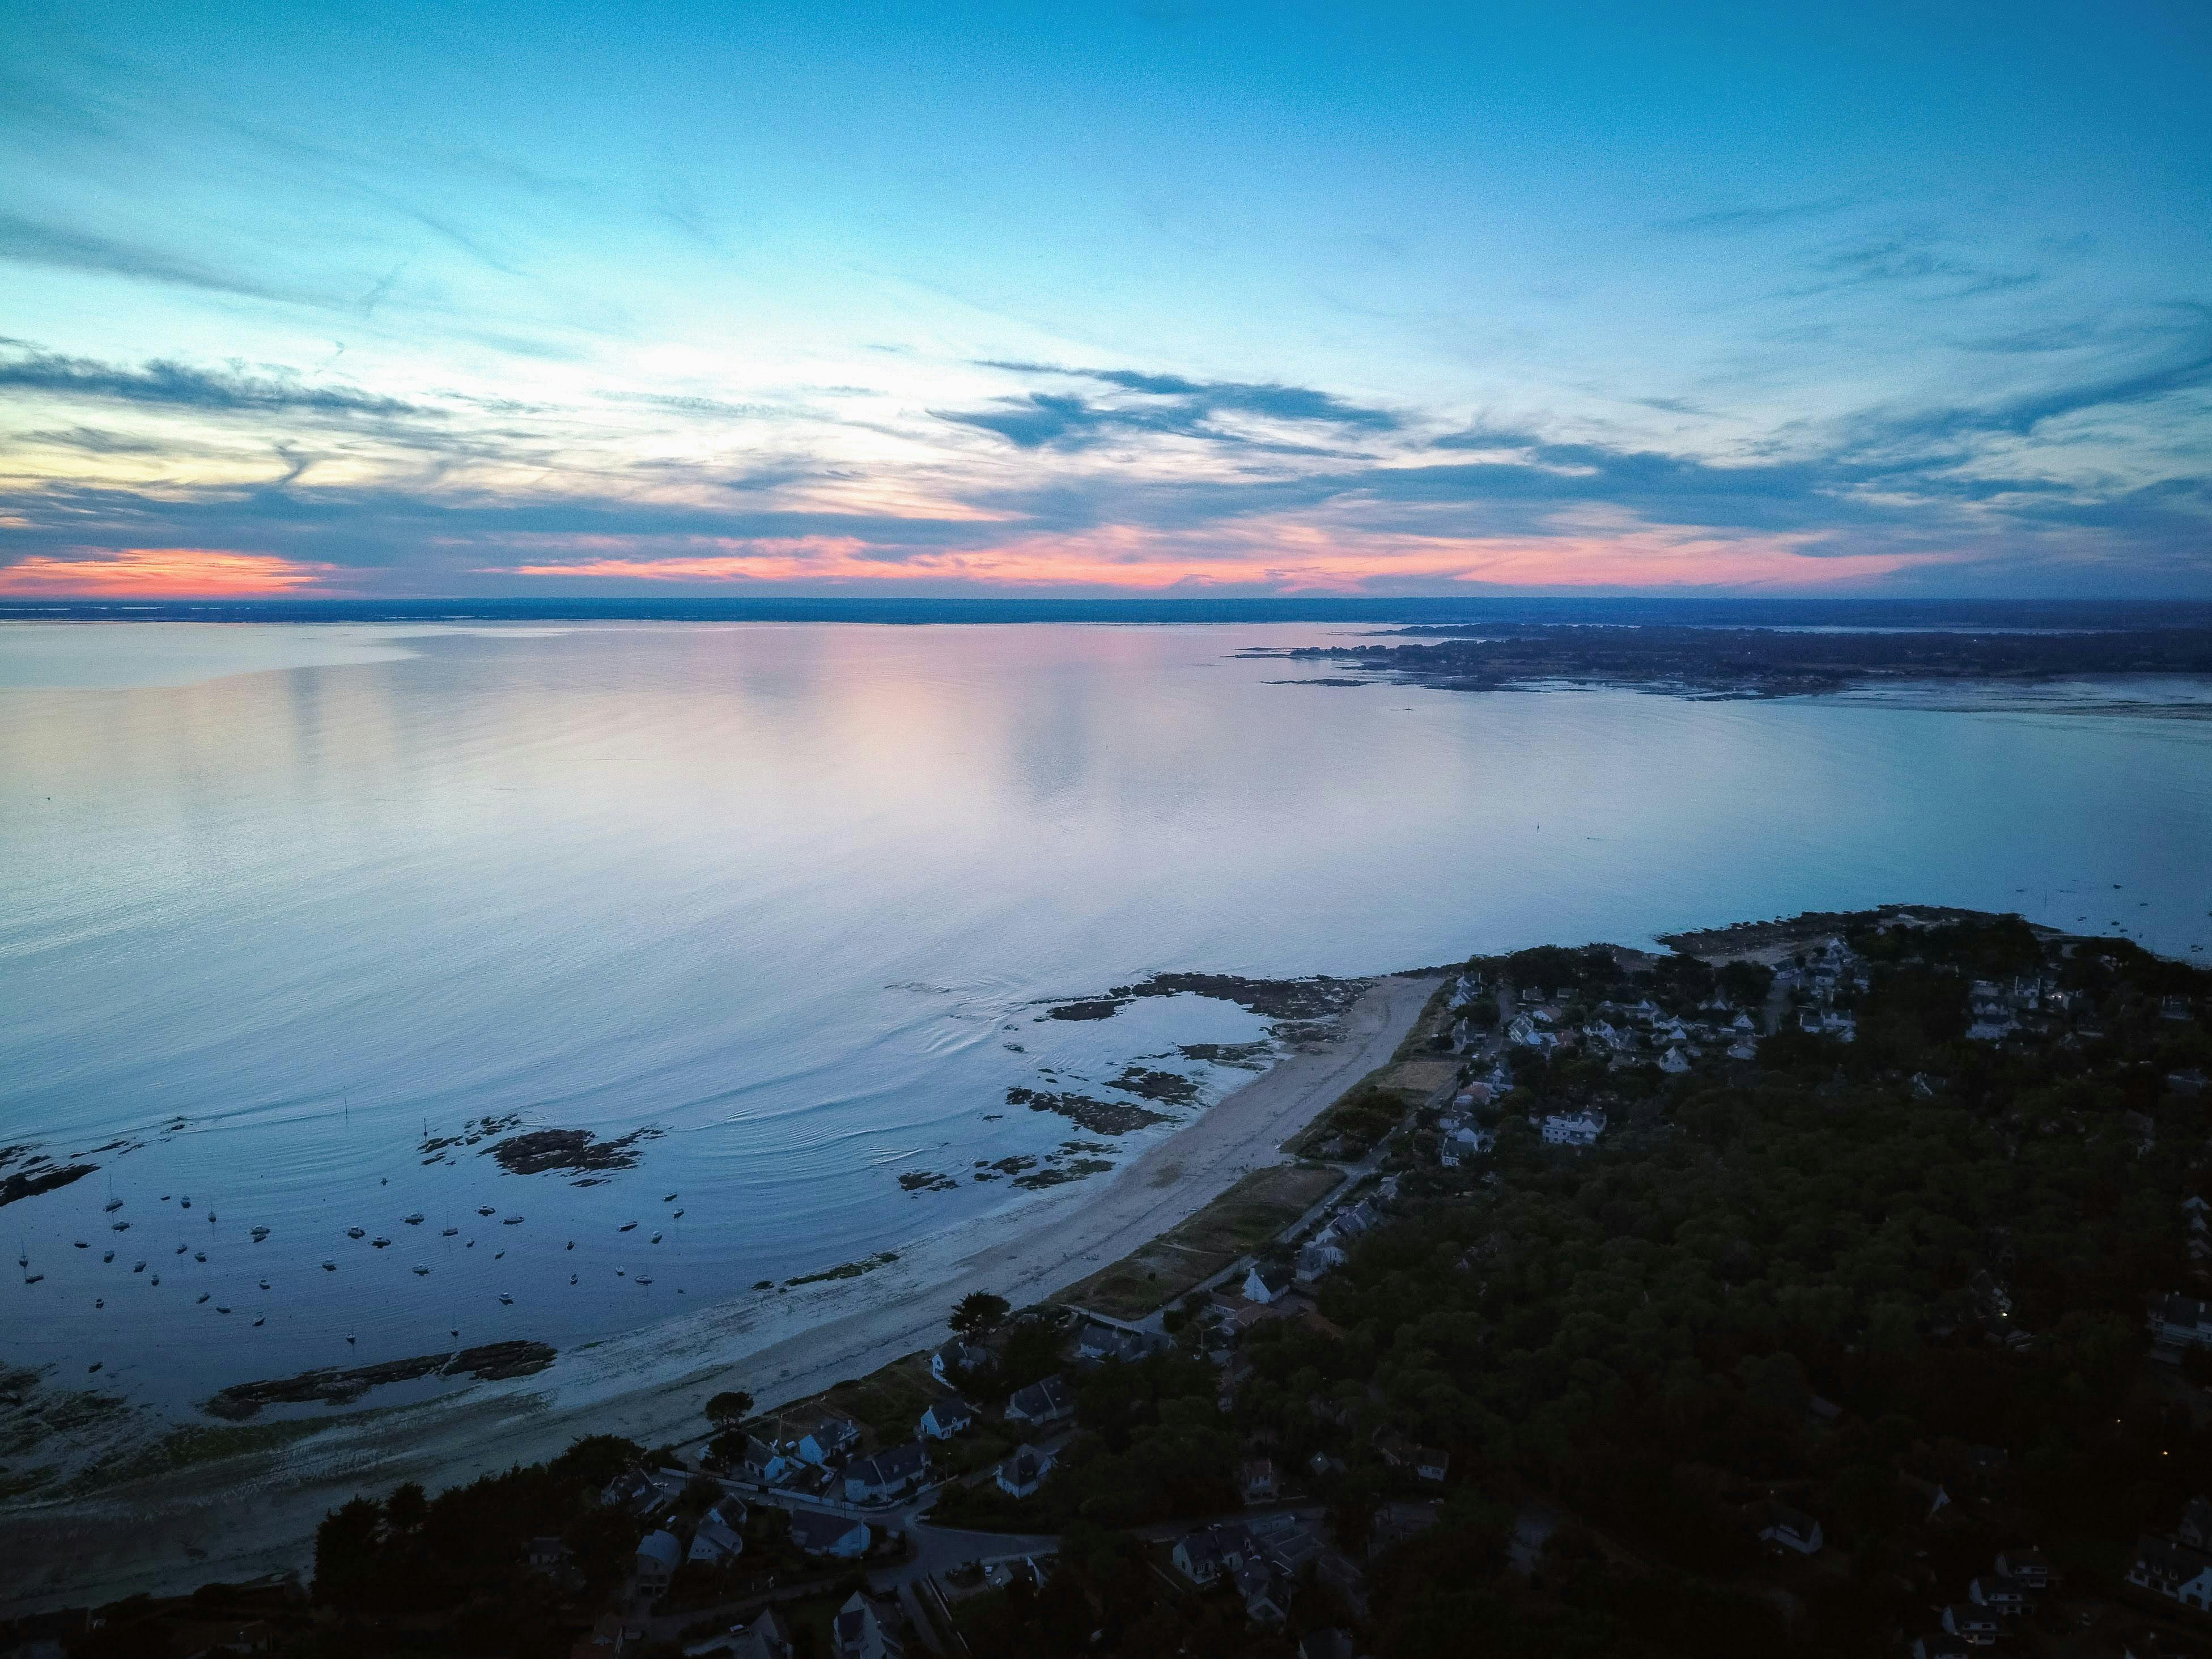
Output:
x=274 y=901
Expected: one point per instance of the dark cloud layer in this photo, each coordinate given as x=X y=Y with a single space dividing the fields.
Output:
x=179 y=385
x=1163 y=405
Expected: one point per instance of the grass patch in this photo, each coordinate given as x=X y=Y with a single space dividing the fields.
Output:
x=892 y=1400
x=1246 y=1217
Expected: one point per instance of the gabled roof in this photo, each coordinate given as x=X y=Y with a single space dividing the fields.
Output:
x=814 y=1530
x=663 y=1548
x=1044 y=1399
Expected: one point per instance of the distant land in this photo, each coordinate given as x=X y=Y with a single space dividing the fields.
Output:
x=1455 y=610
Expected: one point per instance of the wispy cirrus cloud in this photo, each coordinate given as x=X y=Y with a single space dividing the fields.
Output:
x=180 y=386
x=1134 y=403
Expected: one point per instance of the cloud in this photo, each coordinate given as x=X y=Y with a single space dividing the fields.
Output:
x=1165 y=404
x=25 y=241
x=160 y=573
x=178 y=385
x=1728 y=220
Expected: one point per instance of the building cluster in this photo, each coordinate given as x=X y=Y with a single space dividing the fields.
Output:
x=2177 y=1566
x=1264 y=1559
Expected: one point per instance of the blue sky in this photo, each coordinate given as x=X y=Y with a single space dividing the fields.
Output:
x=1165 y=297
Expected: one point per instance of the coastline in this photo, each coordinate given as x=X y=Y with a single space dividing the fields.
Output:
x=241 y=1518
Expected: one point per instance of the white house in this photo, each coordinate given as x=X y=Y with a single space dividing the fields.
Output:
x=824 y=1439
x=947 y=1418
x=1020 y=1475
x=956 y=1357
x=658 y=1555
x=2183 y=1321
x=1976 y=1626
x=715 y=1542
x=887 y=1474
x=817 y=1533
x=1574 y=1128
x=1259 y=1481
x=859 y=1633
x=1674 y=1060
x=1045 y=1401
x=1792 y=1530
x=1265 y=1283
x=2173 y=1571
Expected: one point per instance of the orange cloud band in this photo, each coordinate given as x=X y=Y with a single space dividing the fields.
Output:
x=182 y=573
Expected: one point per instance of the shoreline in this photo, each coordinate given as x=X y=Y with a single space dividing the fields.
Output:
x=232 y=1521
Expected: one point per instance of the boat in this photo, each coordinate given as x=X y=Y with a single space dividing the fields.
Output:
x=99 y=1301
x=420 y=1271
x=180 y=1249
x=505 y=1300
x=94 y=1366
x=153 y=1279
x=120 y=1227
x=655 y=1239
x=265 y=1284
x=186 y=1200
x=259 y=1322
x=487 y=1209
x=203 y=1296
x=219 y=1308
x=510 y=1221
x=22 y=1254
x=356 y=1232
x=137 y=1267
x=414 y=1220
x=451 y=1232
x=668 y=1198
x=627 y=1226
x=81 y=1245
x=210 y=1217
x=112 y=1204
x=259 y=1233
x=498 y=1254
x=33 y=1278
x=572 y=1278
x=330 y=1267
x=107 y=1255
x=349 y=1339
x=642 y=1280
x=199 y=1256
x=572 y=1243
x=379 y=1241
x=676 y=1216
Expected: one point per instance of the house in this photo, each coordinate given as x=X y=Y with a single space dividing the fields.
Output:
x=1574 y=1128
x=1976 y=1626
x=2177 y=1571
x=822 y=1440
x=607 y=1640
x=1285 y=1542
x=1673 y=1062
x=1318 y=1258
x=1430 y=1463
x=764 y=1463
x=2196 y=1527
x=766 y=1638
x=947 y=1418
x=550 y=1559
x=637 y=1492
x=1045 y=1401
x=887 y=1474
x=1099 y=1343
x=715 y=1541
x=2030 y=1568
x=2182 y=1321
x=1463 y=1144
x=1198 y=1557
x=1264 y=1283
x=1265 y=1600
x=658 y=1555
x=1259 y=1481
x=956 y=1359
x=1997 y=1593
x=1020 y=1475
x=858 y=1631
x=1790 y=1529
x=817 y=1533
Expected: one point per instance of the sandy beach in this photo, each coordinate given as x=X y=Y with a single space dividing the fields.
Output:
x=244 y=1518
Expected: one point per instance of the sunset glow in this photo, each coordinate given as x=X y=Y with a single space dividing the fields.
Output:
x=192 y=573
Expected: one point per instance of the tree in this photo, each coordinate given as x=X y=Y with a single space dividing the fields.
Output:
x=729 y=1408
x=979 y=1313
x=406 y=1510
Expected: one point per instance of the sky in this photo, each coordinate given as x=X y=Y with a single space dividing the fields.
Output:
x=1184 y=299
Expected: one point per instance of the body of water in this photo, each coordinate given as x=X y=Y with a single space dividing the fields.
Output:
x=280 y=904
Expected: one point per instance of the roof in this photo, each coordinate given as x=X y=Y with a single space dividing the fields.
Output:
x=1274 y=1278
x=894 y=1464
x=1047 y=1397
x=661 y=1547
x=814 y=1530
x=1027 y=1466
x=951 y=1409
x=2170 y=1561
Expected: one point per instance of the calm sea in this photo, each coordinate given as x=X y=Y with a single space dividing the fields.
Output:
x=278 y=902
